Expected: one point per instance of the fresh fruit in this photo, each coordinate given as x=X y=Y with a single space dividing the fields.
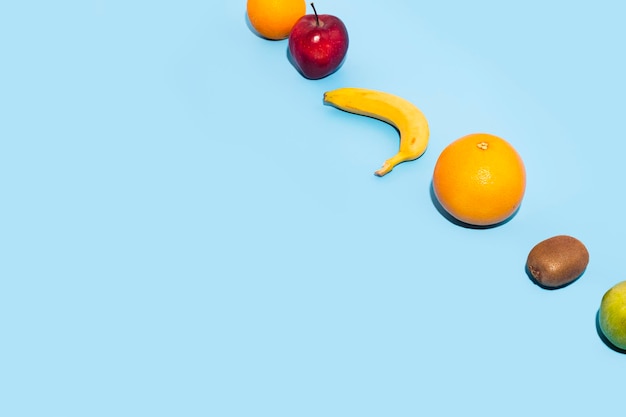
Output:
x=273 y=19
x=479 y=179
x=612 y=315
x=398 y=112
x=557 y=261
x=318 y=44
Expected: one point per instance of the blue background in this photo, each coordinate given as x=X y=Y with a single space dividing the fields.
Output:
x=186 y=230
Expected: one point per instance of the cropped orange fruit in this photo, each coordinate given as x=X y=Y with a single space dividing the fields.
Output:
x=273 y=19
x=480 y=179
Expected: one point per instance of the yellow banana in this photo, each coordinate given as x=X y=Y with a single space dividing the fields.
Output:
x=398 y=112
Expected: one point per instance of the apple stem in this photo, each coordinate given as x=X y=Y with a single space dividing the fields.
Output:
x=317 y=19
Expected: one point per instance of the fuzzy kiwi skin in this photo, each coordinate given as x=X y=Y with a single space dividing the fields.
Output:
x=557 y=261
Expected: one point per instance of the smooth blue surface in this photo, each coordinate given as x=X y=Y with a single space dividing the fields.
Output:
x=186 y=230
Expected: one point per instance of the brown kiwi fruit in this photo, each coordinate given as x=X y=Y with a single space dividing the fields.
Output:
x=557 y=262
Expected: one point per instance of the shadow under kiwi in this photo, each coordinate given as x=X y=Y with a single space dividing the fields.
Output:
x=545 y=287
x=604 y=339
x=454 y=220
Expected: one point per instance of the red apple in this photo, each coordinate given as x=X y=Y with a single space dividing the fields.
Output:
x=318 y=44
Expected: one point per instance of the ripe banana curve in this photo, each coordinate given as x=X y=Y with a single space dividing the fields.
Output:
x=389 y=108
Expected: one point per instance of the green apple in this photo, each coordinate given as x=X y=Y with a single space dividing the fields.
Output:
x=612 y=315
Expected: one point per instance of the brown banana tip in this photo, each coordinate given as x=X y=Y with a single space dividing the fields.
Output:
x=384 y=170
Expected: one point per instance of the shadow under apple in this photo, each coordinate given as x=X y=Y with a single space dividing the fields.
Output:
x=604 y=339
x=293 y=62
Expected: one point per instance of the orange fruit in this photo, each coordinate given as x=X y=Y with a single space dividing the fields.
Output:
x=273 y=19
x=480 y=179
